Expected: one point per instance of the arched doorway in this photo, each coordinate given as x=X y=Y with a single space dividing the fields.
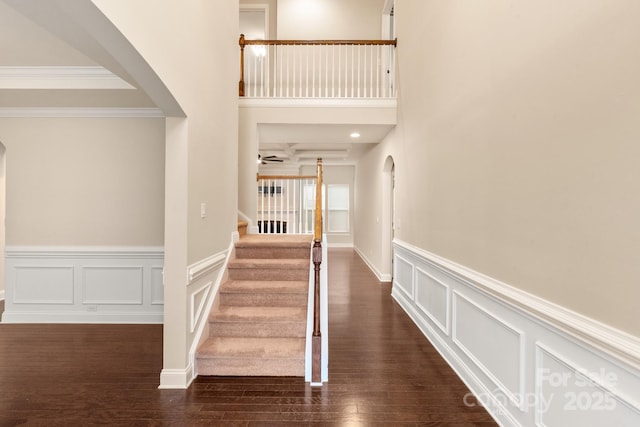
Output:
x=388 y=197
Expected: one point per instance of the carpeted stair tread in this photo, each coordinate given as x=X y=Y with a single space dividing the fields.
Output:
x=270 y=286
x=258 y=314
x=274 y=240
x=273 y=348
x=266 y=293
x=268 y=263
x=252 y=356
x=294 y=329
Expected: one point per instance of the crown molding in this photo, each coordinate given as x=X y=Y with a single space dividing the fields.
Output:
x=49 y=77
x=78 y=112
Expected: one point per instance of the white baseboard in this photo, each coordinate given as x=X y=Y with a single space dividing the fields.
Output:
x=177 y=378
x=381 y=276
x=68 y=317
x=84 y=285
x=340 y=245
x=517 y=353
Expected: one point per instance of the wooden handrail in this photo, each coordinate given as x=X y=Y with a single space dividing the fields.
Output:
x=318 y=217
x=259 y=177
x=244 y=42
x=241 y=83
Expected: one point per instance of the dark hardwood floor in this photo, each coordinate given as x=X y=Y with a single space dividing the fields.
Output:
x=382 y=371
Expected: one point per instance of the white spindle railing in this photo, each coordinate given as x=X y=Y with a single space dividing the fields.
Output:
x=286 y=204
x=317 y=69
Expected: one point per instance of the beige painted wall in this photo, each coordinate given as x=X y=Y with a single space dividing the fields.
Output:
x=516 y=149
x=329 y=19
x=192 y=47
x=370 y=206
x=84 y=182
x=197 y=61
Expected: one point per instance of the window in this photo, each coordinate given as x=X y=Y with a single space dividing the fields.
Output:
x=335 y=207
x=337 y=212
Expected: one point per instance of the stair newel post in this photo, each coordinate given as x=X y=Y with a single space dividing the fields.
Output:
x=241 y=83
x=316 y=340
x=316 y=343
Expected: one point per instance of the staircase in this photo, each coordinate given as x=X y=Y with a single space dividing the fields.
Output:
x=258 y=326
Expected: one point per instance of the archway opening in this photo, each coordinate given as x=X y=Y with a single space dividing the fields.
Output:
x=388 y=197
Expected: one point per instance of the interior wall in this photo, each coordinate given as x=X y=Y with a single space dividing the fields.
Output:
x=516 y=148
x=197 y=61
x=369 y=206
x=329 y=19
x=84 y=182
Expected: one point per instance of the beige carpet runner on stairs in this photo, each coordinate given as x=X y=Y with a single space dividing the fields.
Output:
x=258 y=326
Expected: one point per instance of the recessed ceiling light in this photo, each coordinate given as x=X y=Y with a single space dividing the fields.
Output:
x=355 y=135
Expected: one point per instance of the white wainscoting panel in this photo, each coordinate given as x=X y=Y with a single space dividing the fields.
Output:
x=522 y=357
x=43 y=285
x=567 y=393
x=478 y=333
x=197 y=303
x=157 y=286
x=432 y=297
x=101 y=285
x=83 y=285
x=403 y=275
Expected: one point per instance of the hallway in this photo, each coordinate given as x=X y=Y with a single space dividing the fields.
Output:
x=382 y=371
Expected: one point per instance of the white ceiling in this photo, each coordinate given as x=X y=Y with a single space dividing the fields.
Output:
x=301 y=143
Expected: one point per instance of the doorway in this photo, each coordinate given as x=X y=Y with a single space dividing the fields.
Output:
x=254 y=21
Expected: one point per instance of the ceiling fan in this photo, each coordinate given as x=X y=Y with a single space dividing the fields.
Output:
x=269 y=159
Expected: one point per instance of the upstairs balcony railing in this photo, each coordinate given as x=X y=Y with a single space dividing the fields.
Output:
x=317 y=68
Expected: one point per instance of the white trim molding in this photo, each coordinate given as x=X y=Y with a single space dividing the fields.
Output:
x=83 y=284
x=67 y=77
x=2 y=295
x=176 y=378
x=197 y=270
x=79 y=112
x=381 y=276
x=522 y=357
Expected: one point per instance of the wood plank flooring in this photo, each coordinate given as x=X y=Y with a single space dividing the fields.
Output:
x=382 y=371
